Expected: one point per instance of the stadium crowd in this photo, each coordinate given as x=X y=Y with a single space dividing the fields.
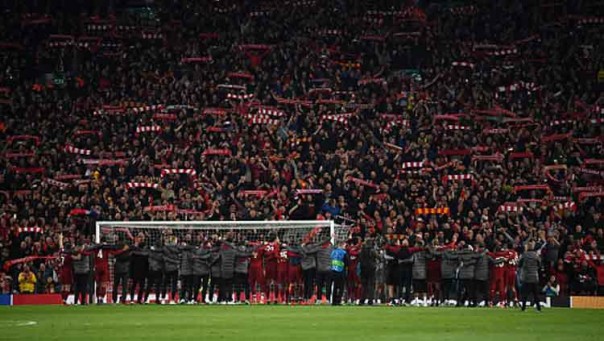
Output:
x=436 y=132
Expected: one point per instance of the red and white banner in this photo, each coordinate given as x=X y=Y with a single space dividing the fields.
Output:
x=142 y=185
x=187 y=171
x=74 y=150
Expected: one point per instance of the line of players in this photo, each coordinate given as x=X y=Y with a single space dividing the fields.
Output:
x=228 y=270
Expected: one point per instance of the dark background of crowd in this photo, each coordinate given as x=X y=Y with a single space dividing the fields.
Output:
x=393 y=68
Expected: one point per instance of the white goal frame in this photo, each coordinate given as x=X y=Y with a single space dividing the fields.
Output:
x=237 y=225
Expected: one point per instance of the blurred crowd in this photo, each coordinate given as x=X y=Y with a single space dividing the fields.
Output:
x=478 y=123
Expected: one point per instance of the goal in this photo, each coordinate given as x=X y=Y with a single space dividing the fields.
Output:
x=291 y=231
x=195 y=232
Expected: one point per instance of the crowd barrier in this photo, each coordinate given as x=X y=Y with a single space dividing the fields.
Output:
x=575 y=302
x=41 y=299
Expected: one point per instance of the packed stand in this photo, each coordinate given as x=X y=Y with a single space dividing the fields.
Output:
x=423 y=125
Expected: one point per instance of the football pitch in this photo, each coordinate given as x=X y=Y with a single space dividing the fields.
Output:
x=295 y=323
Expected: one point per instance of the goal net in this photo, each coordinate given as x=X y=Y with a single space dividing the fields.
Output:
x=196 y=232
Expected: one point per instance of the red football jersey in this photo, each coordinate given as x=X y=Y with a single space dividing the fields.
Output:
x=270 y=253
x=511 y=260
x=256 y=258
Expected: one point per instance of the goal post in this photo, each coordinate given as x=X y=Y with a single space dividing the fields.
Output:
x=292 y=232
x=295 y=230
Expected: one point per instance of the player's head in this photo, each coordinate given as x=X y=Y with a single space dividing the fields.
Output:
x=271 y=237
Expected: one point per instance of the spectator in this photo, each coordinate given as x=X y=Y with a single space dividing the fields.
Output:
x=585 y=280
x=27 y=281
x=551 y=288
x=45 y=277
x=5 y=283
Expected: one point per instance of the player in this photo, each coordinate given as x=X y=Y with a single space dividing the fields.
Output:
x=511 y=266
x=242 y=264
x=140 y=269
x=171 y=262
x=419 y=275
x=353 y=281
x=282 y=280
x=294 y=273
x=66 y=272
x=101 y=273
x=497 y=284
x=271 y=256
x=156 y=269
x=433 y=275
x=256 y=272
x=121 y=268
x=201 y=271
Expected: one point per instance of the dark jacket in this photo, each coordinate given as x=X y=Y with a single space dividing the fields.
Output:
x=171 y=258
x=242 y=261
x=529 y=267
x=215 y=261
x=419 y=265
x=200 y=258
x=368 y=260
x=186 y=260
x=481 y=268
x=467 y=264
x=81 y=266
x=309 y=260
x=324 y=258
x=448 y=265
x=228 y=253
x=156 y=260
x=139 y=263
x=122 y=260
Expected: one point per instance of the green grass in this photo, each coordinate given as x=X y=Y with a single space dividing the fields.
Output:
x=295 y=323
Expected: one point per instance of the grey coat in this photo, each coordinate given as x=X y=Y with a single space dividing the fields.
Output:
x=200 y=261
x=324 y=258
x=171 y=258
x=448 y=264
x=309 y=261
x=81 y=266
x=368 y=259
x=419 y=265
x=122 y=262
x=481 y=269
x=467 y=264
x=215 y=268
x=156 y=260
x=186 y=260
x=529 y=267
x=228 y=253
x=242 y=261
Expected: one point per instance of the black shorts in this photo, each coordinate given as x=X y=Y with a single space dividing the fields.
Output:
x=393 y=274
x=420 y=285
